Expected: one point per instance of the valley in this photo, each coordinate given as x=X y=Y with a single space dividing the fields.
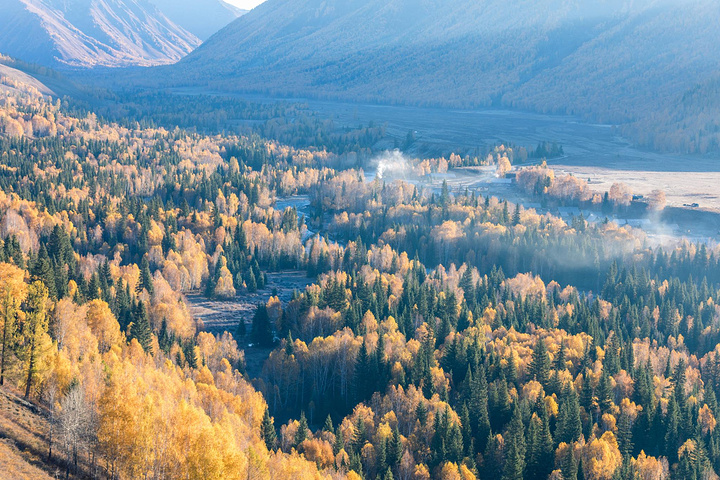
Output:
x=598 y=153
x=360 y=240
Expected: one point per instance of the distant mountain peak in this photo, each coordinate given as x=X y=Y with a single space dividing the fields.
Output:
x=202 y=18
x=90 y=33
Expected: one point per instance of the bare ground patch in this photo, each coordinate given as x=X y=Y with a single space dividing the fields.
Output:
x=219 y=316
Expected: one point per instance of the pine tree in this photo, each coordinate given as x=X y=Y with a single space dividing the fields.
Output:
x=454 y=444
x=164 y=338
x=672 y=426
x=395 y=448
x=479 y=407
x=515 y=448
x=569 y=466
x=302 y=431
x=61 y=279
x=339 y=442
x=328 y=426
x=240 y=239
x=261 y=328
x=360 y=435
x=94 y=290
x=146 y=281
x=241 y=328
x=251 y=281
x=611 y=362
x=381 y=456
x=604 y=393
x=14 y=252
x=539 y=445
x=493 y=461
x=569 y=426
x=540 y=364
x=43 y=270
x=212 y=281
x=467 y=433
x=624 y=434
x=267 y=430
x=437 y=445
x=559 y=362
x=141 y=330
x=361 y=380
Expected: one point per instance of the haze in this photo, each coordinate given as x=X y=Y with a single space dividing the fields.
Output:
x=245 y=4
x=360 y=239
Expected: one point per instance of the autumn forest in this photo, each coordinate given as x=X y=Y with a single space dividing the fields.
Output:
x=444 y=334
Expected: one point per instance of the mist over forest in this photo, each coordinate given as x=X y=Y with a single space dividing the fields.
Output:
x=362 y=240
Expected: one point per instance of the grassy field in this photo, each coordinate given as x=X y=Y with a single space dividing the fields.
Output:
x=684 y=180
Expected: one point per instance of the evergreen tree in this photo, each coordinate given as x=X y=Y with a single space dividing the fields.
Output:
x=43 y=270
x=146 y=281
x=539 y=444
x=515 y=448
x=361 y=379
x=569 y=467
x=625 y=434
x=302 y=431
x=569 y=424
x=540 y=364
x=241 y=330
x=141 y=330
x=559 y=362
x=388 y=475
x=381 y=456
x=604 y=393
x=251 y=281
x=395 y=448
x=267 y=430
x=493 y=460
x=262 y=332
x=328 y=426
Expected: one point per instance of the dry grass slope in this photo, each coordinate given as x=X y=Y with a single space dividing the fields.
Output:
x=23 y=441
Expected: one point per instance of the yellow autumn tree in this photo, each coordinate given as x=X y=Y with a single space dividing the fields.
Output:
x=34 y=345
x=103 y=325
x=601 y=457
x=12 y=293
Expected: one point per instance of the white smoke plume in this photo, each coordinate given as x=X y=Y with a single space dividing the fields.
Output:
x=392 y=164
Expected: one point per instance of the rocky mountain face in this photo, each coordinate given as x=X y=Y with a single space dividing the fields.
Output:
x=91 y=33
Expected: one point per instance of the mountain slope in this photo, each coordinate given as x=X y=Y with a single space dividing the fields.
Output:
x=202 y=18
x=610 y=60
x=88 y=33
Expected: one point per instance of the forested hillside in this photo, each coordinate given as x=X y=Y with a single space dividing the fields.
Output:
x=616 y=61
x=445 y=334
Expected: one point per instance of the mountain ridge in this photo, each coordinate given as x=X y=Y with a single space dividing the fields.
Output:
x=602 y=60
x=91 y=33
x=202 y=18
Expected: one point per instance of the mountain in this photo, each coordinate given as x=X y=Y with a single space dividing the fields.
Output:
x=20 y=77
x=614 y=61
x=91 y=33
x=202 y=18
